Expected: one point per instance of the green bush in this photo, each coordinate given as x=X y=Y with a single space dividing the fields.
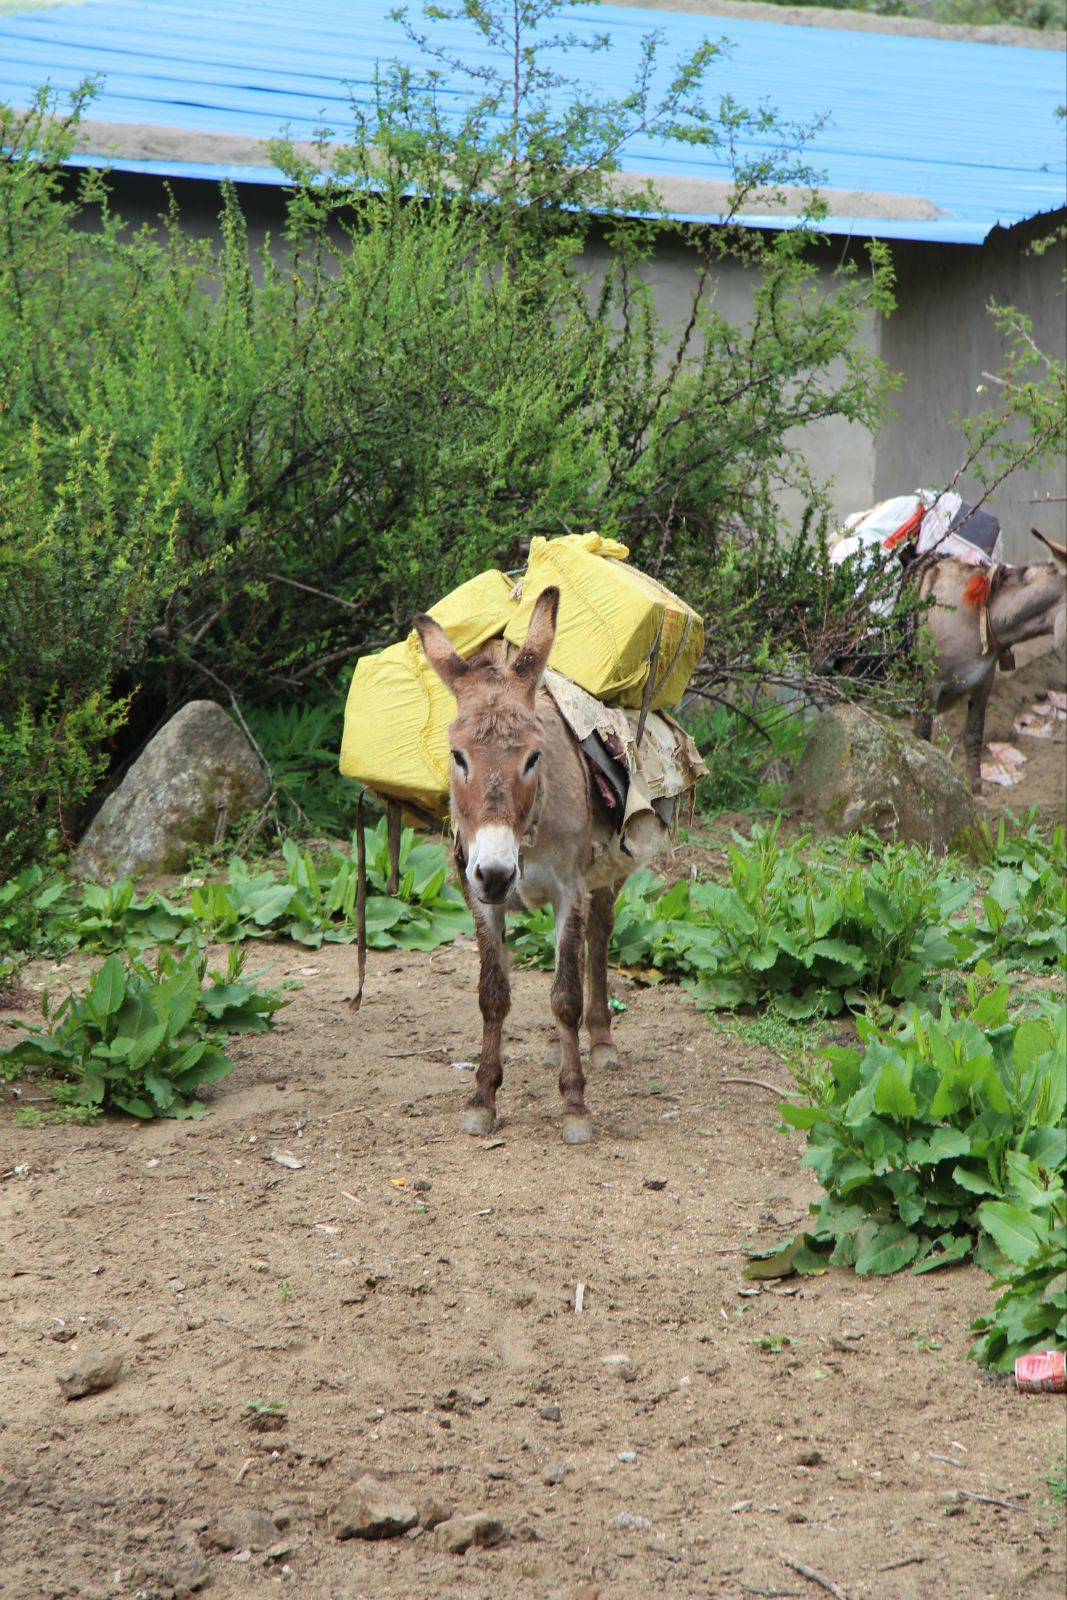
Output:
x=142 y=1041
x=86 y=562
x=748 y=751
x=930 y=1136
x=240 y=473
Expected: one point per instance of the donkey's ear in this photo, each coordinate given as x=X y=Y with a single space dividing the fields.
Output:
x=437 y=646
x=531 y=661
x=1059 y=551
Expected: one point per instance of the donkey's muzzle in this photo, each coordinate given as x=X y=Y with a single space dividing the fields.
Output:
x=493 y=883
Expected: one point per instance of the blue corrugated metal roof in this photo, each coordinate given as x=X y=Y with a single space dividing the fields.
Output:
x=969 y=128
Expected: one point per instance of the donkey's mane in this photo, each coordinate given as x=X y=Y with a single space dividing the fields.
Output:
x=490 y=713
x=500 y=722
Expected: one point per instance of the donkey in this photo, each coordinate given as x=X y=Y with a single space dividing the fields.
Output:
x=978 y=614
x=528 y=833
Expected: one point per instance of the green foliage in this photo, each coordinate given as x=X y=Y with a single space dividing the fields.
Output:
x=228 y=470
x=1024 y=908
x=140 y=1040
x=300 y=744
x=786 y=929
x=1031 y=1235
x=30 y=905
x=746 y=752
x=813 y=929
x=312 y=902
x=934 y=1139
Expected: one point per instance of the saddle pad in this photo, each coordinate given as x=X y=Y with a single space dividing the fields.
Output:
x=667 y=764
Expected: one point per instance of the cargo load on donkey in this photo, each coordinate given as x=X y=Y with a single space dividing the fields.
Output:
x=978 y=607
x=555 y=795
x=624 y=639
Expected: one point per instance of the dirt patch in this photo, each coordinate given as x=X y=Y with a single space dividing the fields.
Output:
x=402 y=1303
x=393 y=1298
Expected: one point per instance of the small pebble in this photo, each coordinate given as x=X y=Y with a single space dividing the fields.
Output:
x=630 y=1519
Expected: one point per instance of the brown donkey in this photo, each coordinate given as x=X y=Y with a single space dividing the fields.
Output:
x=528 y=834
x=976 y=615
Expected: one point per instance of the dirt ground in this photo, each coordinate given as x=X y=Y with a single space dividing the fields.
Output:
x=409 y=1298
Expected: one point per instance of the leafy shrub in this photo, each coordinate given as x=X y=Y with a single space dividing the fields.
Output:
x=1031 y=1235
x=300 y=745
x=236 y=472
x=32 y=906
x=81 y=583
x=143 y=1041
x=785 y=929
x=933 y=1140
x=1024 y=908
x=748 y=752
x=311 y=903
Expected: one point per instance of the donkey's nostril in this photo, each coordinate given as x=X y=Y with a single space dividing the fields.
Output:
x=494 y=883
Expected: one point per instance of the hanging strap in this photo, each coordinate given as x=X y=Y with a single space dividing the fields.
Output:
x=650 y=683
x=361 y=906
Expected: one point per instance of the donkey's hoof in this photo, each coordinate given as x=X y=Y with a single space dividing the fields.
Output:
x=577 y=1130
x=604 y=1055
x=478 y=1121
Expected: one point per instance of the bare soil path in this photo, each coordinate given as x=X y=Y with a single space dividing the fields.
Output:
x=407 y=1297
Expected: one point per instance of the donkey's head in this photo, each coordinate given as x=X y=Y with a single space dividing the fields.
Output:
x=496 y=741
x=1057 y=592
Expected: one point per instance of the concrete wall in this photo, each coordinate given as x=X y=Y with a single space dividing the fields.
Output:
x=943 y=339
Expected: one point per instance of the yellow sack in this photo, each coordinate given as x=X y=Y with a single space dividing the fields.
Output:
x=609 y=618
x=397 y=714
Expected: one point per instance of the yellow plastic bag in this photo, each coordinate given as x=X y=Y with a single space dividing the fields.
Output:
x=397 y=714
x=609 y=618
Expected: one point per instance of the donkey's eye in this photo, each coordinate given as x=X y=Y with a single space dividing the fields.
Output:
x=530 y=763
x=461 y=762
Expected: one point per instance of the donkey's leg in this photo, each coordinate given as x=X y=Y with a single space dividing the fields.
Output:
x=494 y=999
x=924 y=725
x=974 y=729
x=567 y=1010
x=598 y=1013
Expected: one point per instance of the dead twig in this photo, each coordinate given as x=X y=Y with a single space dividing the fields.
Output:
x=248 y=1462
x=758 y=1083
x=906 y=1561
x=990 y=1500
x=413 y=1055
x=816 y=1577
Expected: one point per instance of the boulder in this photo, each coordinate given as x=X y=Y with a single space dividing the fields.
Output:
x=858 y=772
x=190 y=782
x=459 y=1533
x=373 y=1511
x=89 y=1372
x=241 y=1528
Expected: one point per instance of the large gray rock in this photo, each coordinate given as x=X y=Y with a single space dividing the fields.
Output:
x=190 y=782
x=856 y=772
